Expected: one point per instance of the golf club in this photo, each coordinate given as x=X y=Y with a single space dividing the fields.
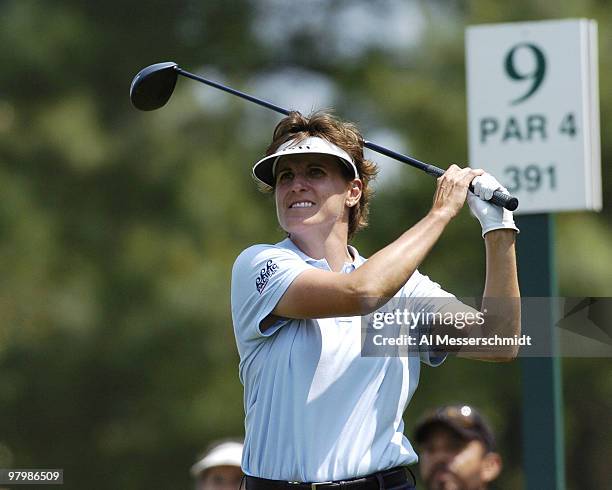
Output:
x=152 y=87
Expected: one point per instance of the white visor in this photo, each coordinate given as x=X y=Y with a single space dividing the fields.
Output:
x=264 y=169
x=225 y=454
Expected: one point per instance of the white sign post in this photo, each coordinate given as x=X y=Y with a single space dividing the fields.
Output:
x=533 y=111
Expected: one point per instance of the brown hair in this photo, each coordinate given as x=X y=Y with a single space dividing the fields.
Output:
x=296 y=126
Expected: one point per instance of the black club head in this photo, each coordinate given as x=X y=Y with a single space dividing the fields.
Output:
x=152 y=87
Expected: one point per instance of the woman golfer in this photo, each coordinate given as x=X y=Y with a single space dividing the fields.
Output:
x=318 y=414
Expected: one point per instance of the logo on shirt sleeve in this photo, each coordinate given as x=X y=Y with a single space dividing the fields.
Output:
x=265 y=274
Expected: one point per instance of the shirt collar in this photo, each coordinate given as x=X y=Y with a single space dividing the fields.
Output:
x=322 y=263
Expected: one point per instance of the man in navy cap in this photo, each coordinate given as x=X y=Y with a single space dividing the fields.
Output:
x=457 y=450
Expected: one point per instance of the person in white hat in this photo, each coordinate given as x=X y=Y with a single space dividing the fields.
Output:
x=319 y=414
x=219 y=467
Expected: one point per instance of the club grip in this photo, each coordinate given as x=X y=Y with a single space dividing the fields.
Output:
x=504 y=200
x=499 y=198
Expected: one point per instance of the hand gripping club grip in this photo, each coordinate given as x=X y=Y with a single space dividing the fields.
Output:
x=499 y=198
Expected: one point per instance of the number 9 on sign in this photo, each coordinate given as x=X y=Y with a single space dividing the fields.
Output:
x=536 y=74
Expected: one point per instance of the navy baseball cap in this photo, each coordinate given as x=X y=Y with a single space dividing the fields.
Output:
x=463 y=420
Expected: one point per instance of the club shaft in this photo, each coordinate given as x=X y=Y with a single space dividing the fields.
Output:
x=426 y=167
x=430 y=169
x=499 y=198
x=232 y=91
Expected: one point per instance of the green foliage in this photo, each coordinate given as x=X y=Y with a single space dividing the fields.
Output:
x=118 y=229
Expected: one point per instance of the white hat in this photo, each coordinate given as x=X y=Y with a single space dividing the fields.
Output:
x=225 y=454
x=263 y=170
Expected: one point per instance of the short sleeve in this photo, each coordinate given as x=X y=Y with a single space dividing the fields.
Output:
x=260 y=277
x=427 y=296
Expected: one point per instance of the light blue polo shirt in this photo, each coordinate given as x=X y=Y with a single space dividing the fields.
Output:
x=315 y=409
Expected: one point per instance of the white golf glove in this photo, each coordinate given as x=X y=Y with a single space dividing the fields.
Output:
x=491 y=217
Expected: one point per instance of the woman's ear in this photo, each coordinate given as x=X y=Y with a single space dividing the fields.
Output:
x=354 y=192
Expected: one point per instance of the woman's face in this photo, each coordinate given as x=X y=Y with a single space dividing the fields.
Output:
x=220 y=478
x=311 y=192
